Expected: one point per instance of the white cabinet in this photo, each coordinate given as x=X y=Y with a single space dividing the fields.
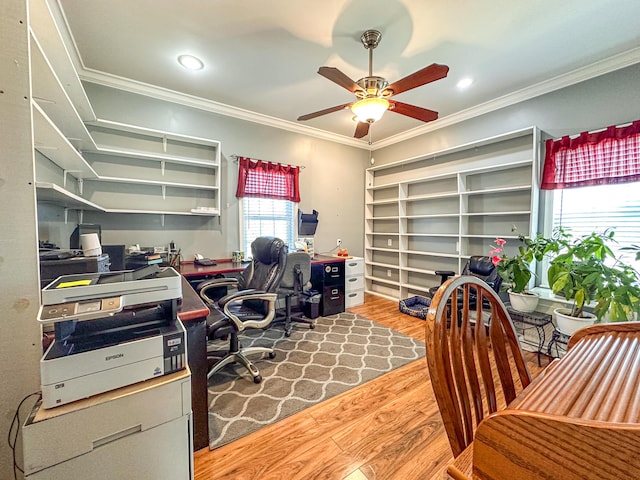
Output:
x=353 y=281
x=142 y=431
x=434 y=211
x=86 y=163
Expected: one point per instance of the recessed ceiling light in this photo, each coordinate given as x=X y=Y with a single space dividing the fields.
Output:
x=464 y=83
x=190 y=62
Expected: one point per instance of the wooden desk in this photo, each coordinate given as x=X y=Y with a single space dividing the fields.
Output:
x=580 y=421
x=193 y=313
x=192 y=271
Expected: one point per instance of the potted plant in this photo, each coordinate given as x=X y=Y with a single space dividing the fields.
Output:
x=516 y=270
x=586 y=272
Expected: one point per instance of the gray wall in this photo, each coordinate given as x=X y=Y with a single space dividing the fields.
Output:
x=610 y=99
x=19 y=293
x=332 y=180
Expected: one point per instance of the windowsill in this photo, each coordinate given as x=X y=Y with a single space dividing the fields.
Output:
x=550 y=301
x=546 y=294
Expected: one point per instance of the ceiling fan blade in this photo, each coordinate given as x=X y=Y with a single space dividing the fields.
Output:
x=324 y=112
x=428 y=74
x=336 y=76
x=412 y=111
x=361 y=129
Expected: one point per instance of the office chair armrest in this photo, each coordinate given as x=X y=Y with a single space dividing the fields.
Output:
x=249 y=295
x=240 y=294
x=214 y=283
x=444 y=274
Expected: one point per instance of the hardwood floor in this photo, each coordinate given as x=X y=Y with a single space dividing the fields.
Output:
x=388 y=428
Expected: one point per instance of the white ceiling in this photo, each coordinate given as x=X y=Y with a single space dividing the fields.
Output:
x=261 y=56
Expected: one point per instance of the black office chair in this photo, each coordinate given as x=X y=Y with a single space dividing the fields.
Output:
x=477 y=266
x=295 y=280
x=253 y=305
x=480 y=267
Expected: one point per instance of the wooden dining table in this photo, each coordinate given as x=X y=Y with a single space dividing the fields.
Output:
x=579 y=420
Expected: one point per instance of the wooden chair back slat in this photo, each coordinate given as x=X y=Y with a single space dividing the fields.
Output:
x=476 y=366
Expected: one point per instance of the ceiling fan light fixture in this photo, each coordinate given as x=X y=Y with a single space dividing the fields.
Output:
x=190 y=62
x=370 y=110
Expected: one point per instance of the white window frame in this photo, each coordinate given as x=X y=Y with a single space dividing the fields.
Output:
x=547 y=225
x=243 y=238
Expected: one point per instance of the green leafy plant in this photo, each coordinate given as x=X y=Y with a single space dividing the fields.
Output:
x=586 y=270
x=516 y=270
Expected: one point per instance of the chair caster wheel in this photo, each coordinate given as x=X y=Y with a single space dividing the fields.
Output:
x=312 y=326
x=257 y=379
x=287 y=333
x=272 y=355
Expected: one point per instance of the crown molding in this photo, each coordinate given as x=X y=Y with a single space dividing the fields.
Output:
x=133 y=86
x=615 y=62
x=610 y=64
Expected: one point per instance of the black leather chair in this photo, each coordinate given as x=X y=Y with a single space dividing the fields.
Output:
x=477 y=266
x=480 y=267
x=295 y=280
x=253 y=305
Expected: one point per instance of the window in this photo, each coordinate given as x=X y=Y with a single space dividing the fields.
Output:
x=265 y=216
x=596 y=208
x=603 y=167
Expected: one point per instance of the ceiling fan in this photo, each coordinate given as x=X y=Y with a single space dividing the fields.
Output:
x=374 y=93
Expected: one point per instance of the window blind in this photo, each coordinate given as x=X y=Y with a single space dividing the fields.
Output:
x=588 y=209
x=267 y=217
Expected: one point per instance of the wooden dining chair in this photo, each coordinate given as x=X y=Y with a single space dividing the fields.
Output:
x=475 y=368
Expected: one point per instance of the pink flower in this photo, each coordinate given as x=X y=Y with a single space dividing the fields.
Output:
x=495 y=259
x=500 y=242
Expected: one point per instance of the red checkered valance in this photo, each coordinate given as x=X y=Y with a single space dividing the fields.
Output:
x=257 y=178
x=601 y=158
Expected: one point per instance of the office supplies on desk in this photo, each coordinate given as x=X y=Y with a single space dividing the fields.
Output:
x=136 y=261
x=90 y=244
x=203 y=261
x=83 y=229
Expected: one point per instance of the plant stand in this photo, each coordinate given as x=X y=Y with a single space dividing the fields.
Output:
x=527 y=321
x=558 y=341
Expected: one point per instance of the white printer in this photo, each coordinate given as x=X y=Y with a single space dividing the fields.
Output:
x=111 y=330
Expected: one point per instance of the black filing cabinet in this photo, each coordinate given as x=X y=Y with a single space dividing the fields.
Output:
x=328 y=279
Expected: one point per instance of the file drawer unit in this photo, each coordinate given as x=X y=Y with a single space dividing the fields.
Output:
x=328 y=279
x=141 y=431
x=354 y=281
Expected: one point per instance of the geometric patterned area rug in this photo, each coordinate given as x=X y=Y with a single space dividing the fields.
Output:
x=343 y=351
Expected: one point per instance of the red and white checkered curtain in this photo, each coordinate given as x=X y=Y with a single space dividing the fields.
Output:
x=601 y=158
x=257 y=178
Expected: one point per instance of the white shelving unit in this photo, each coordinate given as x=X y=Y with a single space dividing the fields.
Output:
x=434 y=211
x=174 y=174
x=103 y=165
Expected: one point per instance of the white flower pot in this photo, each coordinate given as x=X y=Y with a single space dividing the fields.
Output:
x=568 y=325
x=523 y=302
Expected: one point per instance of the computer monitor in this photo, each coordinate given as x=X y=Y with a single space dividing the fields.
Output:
x=307 y=223
x=81 y=229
